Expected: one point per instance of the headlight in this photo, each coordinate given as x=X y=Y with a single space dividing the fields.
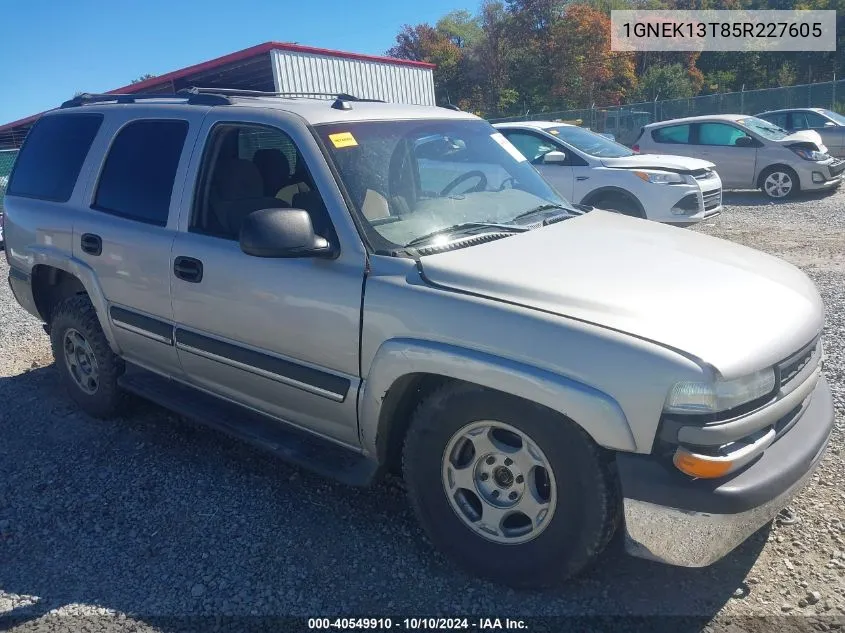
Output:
x=660 y=177
x=808 y=154
x=702 y=397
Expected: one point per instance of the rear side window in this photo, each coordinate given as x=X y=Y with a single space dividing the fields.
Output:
x=137 y=178
x=671 y=134
x=778 y=119
x=52 y=155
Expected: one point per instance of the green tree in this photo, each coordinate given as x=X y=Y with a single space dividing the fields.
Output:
x=665 y=82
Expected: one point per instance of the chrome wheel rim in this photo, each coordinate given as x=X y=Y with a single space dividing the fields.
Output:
x=81 y=362
x=499 y=482
x=778 y=184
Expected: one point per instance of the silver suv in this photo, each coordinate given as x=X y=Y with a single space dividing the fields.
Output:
x=366 y=287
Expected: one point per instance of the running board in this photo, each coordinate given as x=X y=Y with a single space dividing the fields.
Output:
x=291 y=444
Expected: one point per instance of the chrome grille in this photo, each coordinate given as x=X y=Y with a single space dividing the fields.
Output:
x=703 y=174
x=792 y=366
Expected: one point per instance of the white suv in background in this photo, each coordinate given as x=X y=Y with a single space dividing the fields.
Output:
x=591 y=169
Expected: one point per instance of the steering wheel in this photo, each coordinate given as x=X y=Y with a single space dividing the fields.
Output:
x=475 y=173
x=509 y=179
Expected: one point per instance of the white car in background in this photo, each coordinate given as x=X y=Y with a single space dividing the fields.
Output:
x=590 y=169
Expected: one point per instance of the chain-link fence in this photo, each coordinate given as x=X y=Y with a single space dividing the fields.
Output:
x=7 y=159
x=624 y=122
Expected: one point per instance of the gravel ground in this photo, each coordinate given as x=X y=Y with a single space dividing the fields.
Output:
x=142 y=522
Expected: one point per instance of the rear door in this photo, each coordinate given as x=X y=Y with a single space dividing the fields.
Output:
x=126 y=234
x=669 y=139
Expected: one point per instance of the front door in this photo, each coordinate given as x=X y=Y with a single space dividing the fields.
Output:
x=534 y=146
x=716 y=142
x=277 y=335
x=832 y=134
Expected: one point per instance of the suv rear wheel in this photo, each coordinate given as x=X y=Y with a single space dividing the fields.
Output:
x=508 y=489
x=86 y=364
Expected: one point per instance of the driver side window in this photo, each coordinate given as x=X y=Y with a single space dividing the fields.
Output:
x=247 y=168
x=807 y=121
x=531 y=146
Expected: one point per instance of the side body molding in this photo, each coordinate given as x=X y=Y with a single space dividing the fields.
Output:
x=596 y=412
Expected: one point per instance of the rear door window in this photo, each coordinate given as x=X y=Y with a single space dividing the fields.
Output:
x=779 y=119
x=52 y=155
x=678 y=134
x=140 y=170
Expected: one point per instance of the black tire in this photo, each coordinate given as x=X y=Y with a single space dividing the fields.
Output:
x=620 y=203
x=794 y=189
x=588 y=500
x=78 y=314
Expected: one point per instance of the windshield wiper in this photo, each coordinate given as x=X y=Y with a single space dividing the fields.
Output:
x=544 y=207
x=464 y=226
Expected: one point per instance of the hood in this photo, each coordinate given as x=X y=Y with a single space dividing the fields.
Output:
x=666 y=162
x=727 y=305
x=804 y=136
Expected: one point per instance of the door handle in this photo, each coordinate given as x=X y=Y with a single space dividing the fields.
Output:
x=188 y=269
x=91 y=244
x=582 y=177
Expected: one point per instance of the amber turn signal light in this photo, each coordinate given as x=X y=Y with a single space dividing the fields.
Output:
x=702 y=467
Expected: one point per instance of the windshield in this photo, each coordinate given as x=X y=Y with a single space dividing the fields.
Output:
x=408 y=179
x=764 y=128
x=834 y=116
x=590 y=142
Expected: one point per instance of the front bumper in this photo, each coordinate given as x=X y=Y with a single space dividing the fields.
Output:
x=676 y=520
x=820 y=176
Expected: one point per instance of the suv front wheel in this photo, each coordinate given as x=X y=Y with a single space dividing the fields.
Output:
x=87 y=366
x=508 y=489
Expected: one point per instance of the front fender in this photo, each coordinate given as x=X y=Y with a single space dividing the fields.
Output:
x=596 y=412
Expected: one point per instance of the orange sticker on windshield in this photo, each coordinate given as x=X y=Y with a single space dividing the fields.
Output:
x=343 y=139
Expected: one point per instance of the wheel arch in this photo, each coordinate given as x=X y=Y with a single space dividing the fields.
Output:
x=55 y=277
x=403 y=371
x=765 y=171
x=597 y=194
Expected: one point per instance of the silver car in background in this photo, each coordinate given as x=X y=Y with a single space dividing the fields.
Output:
x=748 y=152
x=829 y=125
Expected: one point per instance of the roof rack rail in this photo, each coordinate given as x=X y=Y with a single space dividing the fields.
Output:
x=192 y=99
x=237 y=92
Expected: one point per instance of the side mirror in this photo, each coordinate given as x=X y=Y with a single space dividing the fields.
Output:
x=829 y=124
x=554 y=158
x=282 y=233
x=745 y=141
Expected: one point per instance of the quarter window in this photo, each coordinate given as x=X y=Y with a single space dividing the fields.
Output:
x=140 y=169
x=52 y=156
x=678 y=134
